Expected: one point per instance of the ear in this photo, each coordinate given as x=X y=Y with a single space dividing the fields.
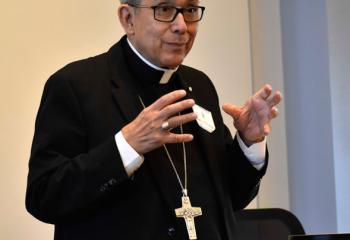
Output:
x=126 y=18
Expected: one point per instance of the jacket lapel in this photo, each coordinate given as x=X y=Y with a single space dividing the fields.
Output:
x=124 y=90
x=125 y=93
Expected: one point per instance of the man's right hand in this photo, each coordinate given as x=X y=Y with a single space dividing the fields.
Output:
x=145 y=132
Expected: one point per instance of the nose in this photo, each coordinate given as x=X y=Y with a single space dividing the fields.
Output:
x=179 y=25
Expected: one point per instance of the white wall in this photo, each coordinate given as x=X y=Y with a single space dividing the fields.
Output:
x=339 y=55
x=312 y=37
x=39 y=37
x=308 y=108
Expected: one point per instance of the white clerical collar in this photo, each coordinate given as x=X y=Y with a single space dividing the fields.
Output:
x=167 y=72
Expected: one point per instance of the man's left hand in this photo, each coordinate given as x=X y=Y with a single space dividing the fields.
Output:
x=252 y=121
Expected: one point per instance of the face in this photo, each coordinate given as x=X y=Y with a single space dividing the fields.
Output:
x=164 y=44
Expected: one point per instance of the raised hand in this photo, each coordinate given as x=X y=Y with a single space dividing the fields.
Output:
x=253 y=119
x=150 y=129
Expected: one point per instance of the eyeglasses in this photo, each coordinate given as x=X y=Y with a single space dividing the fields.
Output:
x=166 y=13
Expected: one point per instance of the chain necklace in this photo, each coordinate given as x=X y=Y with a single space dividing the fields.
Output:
x=187 y=212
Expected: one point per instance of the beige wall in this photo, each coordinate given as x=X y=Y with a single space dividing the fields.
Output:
x=267 y=67
x=39 y=37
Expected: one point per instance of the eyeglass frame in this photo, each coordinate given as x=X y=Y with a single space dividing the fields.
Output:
x=178 y=10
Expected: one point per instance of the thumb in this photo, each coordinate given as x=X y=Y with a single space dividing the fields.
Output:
x=232 y=110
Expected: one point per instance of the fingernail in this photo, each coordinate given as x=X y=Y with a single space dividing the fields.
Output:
x=191 y=101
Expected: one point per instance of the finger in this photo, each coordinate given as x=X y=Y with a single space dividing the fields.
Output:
x=264 y=92
x=178 y=138
x=167 y=99
x=275 y=99
x=232 y=110
x=175 y=108
x=263 y=119
x=267 y=129
x=262 y=114
x=182 y=119
x=273 y=113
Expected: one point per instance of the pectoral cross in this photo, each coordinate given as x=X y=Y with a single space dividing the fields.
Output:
x=189 y=213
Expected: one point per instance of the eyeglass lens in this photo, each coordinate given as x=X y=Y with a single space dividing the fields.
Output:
x=168 y=13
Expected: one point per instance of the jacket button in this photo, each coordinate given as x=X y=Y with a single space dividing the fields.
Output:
x=171 y=231
x=112 y=182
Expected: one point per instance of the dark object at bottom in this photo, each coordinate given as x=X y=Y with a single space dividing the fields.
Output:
x=267 y=224
x=321 y=237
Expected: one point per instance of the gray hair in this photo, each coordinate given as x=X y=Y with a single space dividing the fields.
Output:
x=134 y=2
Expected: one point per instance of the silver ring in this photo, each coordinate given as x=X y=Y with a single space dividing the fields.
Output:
x=166 y=126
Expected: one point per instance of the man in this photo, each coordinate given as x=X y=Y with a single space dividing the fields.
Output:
x=127 y=141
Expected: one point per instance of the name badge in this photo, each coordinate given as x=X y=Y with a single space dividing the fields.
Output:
x=204 y=118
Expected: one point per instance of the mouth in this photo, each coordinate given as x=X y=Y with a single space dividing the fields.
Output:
x=176 y=45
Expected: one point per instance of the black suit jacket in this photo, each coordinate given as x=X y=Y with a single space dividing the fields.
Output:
x=76 y=177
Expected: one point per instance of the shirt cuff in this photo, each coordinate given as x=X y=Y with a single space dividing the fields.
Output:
x=130 y=158
x=255 y=153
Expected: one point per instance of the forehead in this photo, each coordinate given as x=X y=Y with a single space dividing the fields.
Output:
x=171 y=2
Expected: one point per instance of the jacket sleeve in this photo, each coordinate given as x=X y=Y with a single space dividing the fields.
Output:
x=67 y=179
x=244 y=178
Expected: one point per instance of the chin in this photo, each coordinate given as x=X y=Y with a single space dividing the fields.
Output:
x=173 y=61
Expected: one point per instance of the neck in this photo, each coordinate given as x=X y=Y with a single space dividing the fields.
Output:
x=167 y=72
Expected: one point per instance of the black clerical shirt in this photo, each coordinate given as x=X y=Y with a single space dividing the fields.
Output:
x=201 y=190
